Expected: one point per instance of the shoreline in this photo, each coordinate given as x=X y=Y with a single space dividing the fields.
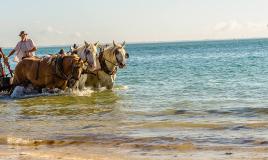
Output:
x=11 y=152
x=97 y=152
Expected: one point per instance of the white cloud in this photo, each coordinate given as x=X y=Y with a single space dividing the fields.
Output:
x=52 y=30
x=234 y=25
x=238 y=29
x=238 y=26
x=222 y=26
x=77 y=34
x=228 y=26
x=256 y=26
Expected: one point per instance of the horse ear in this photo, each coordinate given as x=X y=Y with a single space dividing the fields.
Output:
x=86 y=44
x=123 y=44
x=72 y=49
x=114 y=43
x=75 y=46
x=96 y=44
x=100 y=46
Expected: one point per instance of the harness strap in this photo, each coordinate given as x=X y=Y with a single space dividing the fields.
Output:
x=37 y=71
x=59 y=72
x=3 y=74
x=97 y=74
x=104 y=66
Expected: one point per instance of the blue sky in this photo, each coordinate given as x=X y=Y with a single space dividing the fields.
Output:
x=59 y=22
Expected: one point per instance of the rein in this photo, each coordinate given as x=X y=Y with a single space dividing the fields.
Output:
x=76 y=52
x=104 y=66
x=59 y=71
x=6 y=63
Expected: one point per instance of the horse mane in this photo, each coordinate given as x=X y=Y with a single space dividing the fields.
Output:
x=76 y=57
x=110 y=49
x=80 y=47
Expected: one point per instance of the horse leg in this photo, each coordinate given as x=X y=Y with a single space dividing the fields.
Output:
x=16 y=81
x=82 y=82
x=71 y=83
x=64 y=85
x=110 y=86
x=108 y=83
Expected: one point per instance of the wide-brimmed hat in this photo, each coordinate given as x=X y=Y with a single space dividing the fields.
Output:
x=61 y=51
x=23 y=33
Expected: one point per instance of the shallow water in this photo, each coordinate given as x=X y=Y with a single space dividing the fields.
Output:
x=192 y=98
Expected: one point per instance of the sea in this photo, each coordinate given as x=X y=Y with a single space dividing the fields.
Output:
x=179 y=100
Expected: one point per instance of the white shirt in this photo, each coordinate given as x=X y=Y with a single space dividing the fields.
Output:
x=22 y=47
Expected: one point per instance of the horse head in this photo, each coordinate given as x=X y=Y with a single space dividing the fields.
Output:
x=88 y=53
x=120 y=54
x=73 y=65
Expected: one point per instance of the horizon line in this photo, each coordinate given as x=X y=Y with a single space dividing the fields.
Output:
x=156 y=42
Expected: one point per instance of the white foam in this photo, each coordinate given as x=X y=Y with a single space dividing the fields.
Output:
x=84 y=92
x=27 y=92
x=121 y=88
x=18 y=141
x=18 y=92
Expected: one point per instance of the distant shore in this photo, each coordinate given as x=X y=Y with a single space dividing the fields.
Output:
x=154 y=42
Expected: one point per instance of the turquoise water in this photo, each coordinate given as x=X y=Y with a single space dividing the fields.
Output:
x=208 y=94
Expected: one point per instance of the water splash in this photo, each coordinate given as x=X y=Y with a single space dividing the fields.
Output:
x=28 y=92
x=120 y=87
x=81 y=93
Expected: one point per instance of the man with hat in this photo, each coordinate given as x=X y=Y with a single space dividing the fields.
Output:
x=25 y=48
x=62 y=53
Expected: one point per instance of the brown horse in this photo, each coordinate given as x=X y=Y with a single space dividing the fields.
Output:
x=47 y=73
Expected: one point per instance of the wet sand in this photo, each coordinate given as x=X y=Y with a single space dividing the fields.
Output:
x=64 y=153
x=98 y=152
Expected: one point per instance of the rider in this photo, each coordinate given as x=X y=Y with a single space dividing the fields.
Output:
x=62 y=53
x=24 y=48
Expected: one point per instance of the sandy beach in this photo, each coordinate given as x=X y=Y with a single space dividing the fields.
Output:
x=104 y=153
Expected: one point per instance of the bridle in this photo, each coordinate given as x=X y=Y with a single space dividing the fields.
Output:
x=86 y=51
x=60 y=71
x=111 y=62
x=114 y=53
x=104 y=66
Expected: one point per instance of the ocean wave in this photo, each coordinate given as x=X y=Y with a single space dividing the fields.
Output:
x=152 y=143
x=173 y=124
x=143 y=144
x=187 y=112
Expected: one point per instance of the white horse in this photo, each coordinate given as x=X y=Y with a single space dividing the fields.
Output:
x=88 y=53
x=109 y=60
